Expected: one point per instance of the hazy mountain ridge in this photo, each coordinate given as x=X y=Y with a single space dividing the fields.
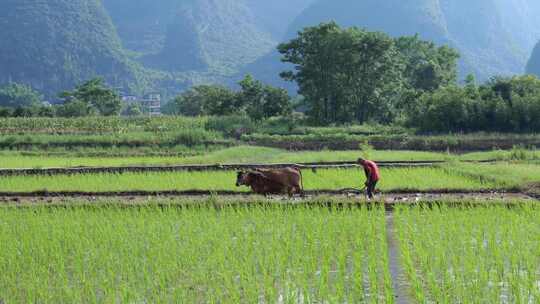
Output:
x=170 y=44
x=178 y=35
x=533 y=65
x=142 y=24
x=55 y=44
x=493 y=36
x=276 y=16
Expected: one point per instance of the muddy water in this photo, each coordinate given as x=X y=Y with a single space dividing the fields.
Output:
x=399 y=280
x=389 y=199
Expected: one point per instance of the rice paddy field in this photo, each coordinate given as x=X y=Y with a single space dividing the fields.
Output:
x=331 y=248
x=240 y=154
x=198 y=255
x=471 y=255
x=268 y=254
x=243 y=154
x=421 y=178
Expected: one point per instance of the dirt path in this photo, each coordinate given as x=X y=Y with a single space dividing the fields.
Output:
x=389 y=199
x=217 y=167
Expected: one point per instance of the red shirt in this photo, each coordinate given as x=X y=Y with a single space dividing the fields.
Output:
x=372 y=171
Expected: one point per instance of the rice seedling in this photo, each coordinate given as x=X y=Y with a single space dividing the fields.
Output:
x=194 y=255
x=423 y=178
x=518 y=153
x=240 y=154
x=507 y=174
x=471 y=255
x=445 y=142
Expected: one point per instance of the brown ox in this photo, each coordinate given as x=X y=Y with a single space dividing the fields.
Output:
x=272 y=181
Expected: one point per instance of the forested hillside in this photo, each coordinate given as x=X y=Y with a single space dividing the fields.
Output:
x=533 y=66
x=168 y=45
x=276 y=16
x=142 y=24
x=493 y=36
x=398 y=19
x=217 y=34
x=54 y=44
x=174 y=35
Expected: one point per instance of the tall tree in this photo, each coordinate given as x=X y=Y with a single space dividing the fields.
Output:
x=262 y=101
x=15 y=95
x=345 y=74
x=426 y=66
x=205 y=100
x=94 y=94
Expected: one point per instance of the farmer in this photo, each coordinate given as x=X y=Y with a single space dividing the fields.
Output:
x=372 y=175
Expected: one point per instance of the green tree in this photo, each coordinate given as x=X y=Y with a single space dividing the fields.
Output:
x=251 y=97
x=46 y=111
x=345 y=74
x=520 y=96
x=205 y=100
x=15 y=95
x=188 y=103
x=6 y=112
x=443 y=110
x=277 y=102
x=504 y=104
x=262 y=101
x=23 y=112
x=313 y=55
x=426 y=66
x=75 y=108
x=133 y=109
x=256 y=100
x=94 y=94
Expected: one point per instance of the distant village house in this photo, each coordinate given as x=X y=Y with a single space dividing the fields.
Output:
x=150 y=103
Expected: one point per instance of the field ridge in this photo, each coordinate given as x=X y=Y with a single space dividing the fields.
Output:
x=219 y=167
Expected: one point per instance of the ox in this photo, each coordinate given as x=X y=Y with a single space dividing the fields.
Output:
x=272 y=181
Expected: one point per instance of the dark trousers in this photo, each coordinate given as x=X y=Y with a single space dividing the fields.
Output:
x=370 y=187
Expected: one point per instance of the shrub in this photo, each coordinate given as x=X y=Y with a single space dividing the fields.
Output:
x=231 y=126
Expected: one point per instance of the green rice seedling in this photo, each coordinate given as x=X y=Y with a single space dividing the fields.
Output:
x=195 y=255
x=241 y=154
x=471 y=255
x=445 y=142
x=508 y=174
x=423 y=178
x=408 y=178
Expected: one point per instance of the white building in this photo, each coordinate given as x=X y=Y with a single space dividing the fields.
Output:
x=150 y=103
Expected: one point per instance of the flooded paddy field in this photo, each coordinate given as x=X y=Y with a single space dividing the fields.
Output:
x=258 y=250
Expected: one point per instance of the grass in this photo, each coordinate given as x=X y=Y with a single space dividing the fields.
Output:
x=446 y=142
x=241 y=154
x=515 y=154
x=424 y=178
x=471 y=255
x=503 y=173
x=196 y=255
